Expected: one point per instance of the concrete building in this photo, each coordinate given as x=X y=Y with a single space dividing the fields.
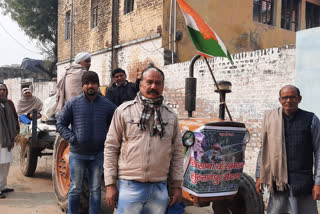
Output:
x=120 y=33
x=249 y=25
x=260 y=34
x=131 y=33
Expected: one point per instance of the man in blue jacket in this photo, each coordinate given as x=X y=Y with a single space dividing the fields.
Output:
x=90 y=115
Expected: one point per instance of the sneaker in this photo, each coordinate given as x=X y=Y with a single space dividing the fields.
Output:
x=2 y=195
x=6 y=190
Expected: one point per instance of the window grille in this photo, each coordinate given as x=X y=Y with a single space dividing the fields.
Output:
x=94 y=13
x=67 y=33
x=290 y=14
x=263 y=11
x=128 y=6
x=312 y=15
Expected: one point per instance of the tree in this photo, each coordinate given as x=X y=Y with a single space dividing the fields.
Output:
x=39 y=20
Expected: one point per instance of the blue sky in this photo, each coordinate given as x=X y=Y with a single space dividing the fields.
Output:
x=13 y=50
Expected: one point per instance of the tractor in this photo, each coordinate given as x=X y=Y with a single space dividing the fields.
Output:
x=214 y=159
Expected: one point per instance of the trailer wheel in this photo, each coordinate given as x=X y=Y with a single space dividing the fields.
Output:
x=28 y=159
x=247 y=200
x=61 y=180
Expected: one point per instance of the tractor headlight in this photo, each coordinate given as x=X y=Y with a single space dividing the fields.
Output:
x=246 y=137
x=188 y=138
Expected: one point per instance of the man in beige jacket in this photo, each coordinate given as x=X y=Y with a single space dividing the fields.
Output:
x=144 y=151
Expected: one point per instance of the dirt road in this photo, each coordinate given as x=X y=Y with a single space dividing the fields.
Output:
x=31 y=195
x=35 y=195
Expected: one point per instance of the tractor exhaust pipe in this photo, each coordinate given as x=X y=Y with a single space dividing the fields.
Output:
x=225 y=87
x=191 y=88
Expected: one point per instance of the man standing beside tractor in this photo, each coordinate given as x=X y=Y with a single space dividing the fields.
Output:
x=144 y=150
x=90 y=115
x=290 y=150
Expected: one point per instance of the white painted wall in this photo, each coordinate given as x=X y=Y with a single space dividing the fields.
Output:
x=256 y=79
x=40 y=89
x=129 y=57
x=308 y=68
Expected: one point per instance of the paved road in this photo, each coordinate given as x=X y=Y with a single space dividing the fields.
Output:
x=36 y=196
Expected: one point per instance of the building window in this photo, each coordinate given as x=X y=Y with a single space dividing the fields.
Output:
x=263 y=11
x=290 y=14
x=128 y=6
x=312 y=15
x=67 y=33
x=94 y=13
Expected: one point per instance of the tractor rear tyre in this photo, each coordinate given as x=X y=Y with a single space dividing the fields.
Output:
x=28 y=159
x=61 y=172
x=247 y=200
x=61 y=180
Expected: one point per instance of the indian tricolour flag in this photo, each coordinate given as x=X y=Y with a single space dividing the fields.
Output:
x=206 y=41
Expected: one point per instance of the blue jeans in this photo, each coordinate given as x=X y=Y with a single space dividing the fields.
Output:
x=79 y=164
x=142 y=198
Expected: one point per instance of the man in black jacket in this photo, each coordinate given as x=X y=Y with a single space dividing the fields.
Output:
x=121 y=90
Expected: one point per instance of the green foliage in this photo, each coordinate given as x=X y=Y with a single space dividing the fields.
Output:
x=38 y=19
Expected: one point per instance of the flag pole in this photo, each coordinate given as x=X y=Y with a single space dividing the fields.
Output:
x=218 y=89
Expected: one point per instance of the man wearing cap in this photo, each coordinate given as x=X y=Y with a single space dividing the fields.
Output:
x=90 y=115
x=28 y=102
x=9 y=128
x=70 y=84
x=121 y=90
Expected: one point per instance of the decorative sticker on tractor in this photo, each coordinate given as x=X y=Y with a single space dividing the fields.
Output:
x=214 y=164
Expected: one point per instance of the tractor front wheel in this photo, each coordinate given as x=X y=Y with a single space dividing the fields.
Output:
x=247 y=200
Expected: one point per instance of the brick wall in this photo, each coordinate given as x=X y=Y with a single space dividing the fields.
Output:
x=136 y=57
x=256 y=78
x=85 y=38
x=145 y=20
x=63 y=45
